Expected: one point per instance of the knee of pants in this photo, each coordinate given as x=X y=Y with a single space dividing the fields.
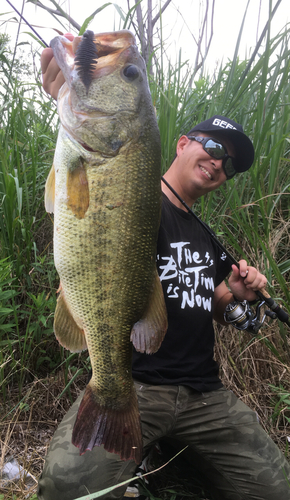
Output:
x=68 y=475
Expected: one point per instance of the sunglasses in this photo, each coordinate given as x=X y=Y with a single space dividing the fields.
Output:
x=218 y=151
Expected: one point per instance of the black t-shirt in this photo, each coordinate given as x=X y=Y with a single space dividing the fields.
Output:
x=190 y=265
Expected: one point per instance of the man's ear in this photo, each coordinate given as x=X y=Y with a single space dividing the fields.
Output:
x=181 y=143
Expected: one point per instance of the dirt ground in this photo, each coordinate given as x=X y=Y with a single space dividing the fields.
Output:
x=28 y=420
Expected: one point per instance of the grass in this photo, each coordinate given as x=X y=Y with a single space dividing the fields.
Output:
x=38 y=379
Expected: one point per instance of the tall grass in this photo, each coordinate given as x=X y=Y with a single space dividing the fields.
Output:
x=250 y=213
x=27 y=277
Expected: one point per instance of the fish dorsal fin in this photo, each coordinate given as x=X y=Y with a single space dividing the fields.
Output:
x=50 y=191
x=147 y=334
x=67 y=332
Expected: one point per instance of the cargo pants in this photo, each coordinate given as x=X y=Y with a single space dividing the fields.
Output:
x=225 y=443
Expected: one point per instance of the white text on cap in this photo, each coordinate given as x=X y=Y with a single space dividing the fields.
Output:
x=222 y=124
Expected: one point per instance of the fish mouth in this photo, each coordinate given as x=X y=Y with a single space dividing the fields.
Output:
x=107 y=45
x=92 y=56
x=95 y=67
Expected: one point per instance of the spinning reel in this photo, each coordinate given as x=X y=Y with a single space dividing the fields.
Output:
x=241 y=316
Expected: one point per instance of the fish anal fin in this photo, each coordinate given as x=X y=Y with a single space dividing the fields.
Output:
x=66 y=330
x=148 y=333
x=118 y=429
x=78 y=191
x=50 y=191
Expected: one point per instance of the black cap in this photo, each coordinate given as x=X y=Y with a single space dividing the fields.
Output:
x=244 y=148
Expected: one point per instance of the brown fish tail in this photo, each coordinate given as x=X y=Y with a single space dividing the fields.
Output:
x=119 y=430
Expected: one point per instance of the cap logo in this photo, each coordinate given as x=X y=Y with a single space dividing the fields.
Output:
x=222 y=124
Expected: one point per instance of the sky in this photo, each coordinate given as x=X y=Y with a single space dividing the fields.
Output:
x=181 y=23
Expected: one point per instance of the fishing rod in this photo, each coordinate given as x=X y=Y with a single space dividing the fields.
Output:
x=28 y=24
x=241 y=317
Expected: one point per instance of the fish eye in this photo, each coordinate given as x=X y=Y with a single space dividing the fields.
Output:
x=131 y=72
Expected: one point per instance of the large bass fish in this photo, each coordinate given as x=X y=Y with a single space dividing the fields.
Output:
x=104 y=190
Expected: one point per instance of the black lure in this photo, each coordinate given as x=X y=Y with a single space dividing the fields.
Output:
x=86 y=58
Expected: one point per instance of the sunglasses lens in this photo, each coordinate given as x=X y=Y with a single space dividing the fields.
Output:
x=229 y=168
x=215 y=149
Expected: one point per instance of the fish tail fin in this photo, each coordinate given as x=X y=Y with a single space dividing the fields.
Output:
x=119 y=430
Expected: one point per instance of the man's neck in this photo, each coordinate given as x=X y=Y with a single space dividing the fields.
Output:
x=171 y=196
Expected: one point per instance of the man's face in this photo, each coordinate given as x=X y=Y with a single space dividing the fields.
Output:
x=199 y=171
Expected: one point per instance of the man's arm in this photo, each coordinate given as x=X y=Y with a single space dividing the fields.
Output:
x=243 y=282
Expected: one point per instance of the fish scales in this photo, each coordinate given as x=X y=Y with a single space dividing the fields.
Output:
x=106 y=252
x=105 y=192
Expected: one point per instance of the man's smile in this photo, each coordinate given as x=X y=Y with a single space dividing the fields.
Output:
x=203 y=169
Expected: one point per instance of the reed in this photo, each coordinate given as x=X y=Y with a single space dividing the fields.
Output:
x=27 y=276
x=250 y=214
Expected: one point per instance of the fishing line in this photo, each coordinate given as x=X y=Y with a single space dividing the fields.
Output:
x=23 y=18
x=263 y=296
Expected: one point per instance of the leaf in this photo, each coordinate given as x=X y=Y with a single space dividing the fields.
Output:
x=5 y=310
x=6 y=328
x=284 y=266
x=79 y=372
x=89 y=19
x=37 y=39
x=107 y=490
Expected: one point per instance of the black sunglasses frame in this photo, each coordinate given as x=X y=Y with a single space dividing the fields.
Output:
x=229 y=170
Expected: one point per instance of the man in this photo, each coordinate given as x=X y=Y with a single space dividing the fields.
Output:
x=180 y=394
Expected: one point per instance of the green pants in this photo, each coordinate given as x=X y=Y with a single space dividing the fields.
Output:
x=225 y=442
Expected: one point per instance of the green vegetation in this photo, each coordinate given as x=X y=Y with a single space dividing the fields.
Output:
x=250 y=214
x=28 y=278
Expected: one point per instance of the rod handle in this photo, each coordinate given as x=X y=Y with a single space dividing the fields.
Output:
x=265 y=293
x=281 y=314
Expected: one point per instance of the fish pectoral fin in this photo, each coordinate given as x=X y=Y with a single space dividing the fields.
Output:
x=147 y=334
x=78 y=191
x=67 y=332
x=50 y=191
x=118 y=429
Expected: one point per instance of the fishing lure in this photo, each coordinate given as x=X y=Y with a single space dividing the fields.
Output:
x=86 y=58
